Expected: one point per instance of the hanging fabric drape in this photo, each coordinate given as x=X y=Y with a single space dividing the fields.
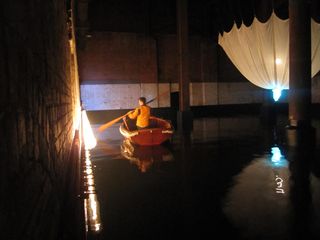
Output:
x=261 y=51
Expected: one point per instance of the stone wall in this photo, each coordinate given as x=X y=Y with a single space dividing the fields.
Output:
x=39 y=99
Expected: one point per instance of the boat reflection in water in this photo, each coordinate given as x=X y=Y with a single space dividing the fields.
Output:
x=275 y=197
x=145 y=156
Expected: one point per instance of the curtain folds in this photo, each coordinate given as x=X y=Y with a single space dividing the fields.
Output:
x=261 y=51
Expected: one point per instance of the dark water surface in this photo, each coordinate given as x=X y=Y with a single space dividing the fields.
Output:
x=231 y=177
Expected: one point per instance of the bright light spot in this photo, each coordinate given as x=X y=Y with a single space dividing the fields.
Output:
x=93 y=212
x=279 y=182
x=97 y=227
x=276 y=93
x=88 y=136
x=89 y=176
x=90 y=181
x=278 y=61
x=277 y=159
x=91 y=203
x=77 y=118
x=87 y=156
x=276 y=154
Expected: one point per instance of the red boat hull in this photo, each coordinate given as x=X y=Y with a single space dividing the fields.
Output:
x=160 y=132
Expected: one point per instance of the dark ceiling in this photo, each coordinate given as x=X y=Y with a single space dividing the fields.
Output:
x=205 y=17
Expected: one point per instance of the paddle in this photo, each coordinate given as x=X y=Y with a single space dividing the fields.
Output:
x=109 y=124
x=156 y=97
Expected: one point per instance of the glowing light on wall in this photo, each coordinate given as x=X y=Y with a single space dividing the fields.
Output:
x=276 y=93
x=88 y=136
x=77 y=118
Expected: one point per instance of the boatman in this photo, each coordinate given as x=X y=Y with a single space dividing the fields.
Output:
x=141 y=113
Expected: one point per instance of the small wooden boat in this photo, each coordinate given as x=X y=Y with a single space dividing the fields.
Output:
x=160 y=130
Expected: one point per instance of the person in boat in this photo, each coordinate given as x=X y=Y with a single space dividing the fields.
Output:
x=141 y=114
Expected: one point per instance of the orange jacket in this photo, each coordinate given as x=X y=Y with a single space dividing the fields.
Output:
x=142 y=114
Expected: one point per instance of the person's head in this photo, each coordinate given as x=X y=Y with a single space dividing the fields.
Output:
x=142 y=101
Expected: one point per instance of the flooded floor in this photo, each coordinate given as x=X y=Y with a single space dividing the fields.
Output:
x=230 y=177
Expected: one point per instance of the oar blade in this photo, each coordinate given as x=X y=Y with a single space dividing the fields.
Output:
x=109 y=124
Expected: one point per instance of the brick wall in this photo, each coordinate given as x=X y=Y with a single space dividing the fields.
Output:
x=202 y=59
x=117 y=68
x=38 y=99
x=118 y=58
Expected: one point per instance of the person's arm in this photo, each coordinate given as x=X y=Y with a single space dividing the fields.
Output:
x=134 y=114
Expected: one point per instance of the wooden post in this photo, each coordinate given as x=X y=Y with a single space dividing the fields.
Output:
x=185 y=118
x=299 y=72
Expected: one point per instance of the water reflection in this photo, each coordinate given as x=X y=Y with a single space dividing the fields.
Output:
x=91 y=203
x=92 y=213
x=207 y=129
x=272 y=198
x=304 y=198
x=144 y=157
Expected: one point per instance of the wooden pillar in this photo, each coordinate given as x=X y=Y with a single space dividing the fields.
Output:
x=300 y=63
x=300 y=70
x=184 y=114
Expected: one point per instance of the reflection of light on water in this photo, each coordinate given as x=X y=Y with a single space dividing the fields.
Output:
x=277 y=159
x=88 y=136
x=91 y=188
x=279 y=182
x=258 y=202
x=276 y=154
x=90 y=181
x=88 y=171
x=91 y=203
x=93 y=212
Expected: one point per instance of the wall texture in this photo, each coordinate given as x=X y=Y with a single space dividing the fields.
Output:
x=118 y=58
x=124 y=96
x=39 y=99
x=117 y=68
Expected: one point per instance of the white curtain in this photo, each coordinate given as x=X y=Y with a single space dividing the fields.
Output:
x=261 y=51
